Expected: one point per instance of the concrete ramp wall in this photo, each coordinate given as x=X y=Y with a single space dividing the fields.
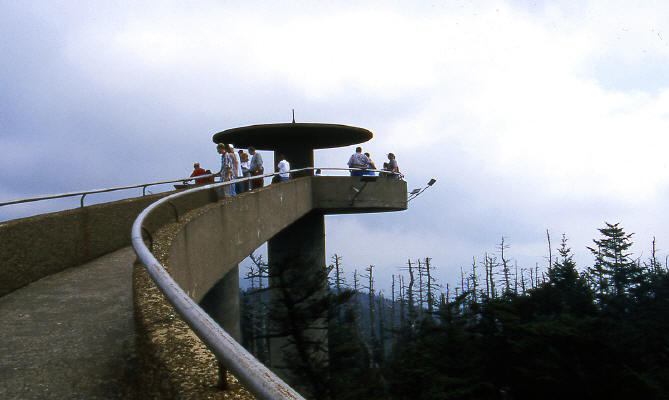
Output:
x=212 y=243
x=34 y=247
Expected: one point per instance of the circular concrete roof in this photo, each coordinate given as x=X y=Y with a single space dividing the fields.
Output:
x=303 y=135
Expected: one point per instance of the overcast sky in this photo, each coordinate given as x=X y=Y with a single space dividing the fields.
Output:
x=531 y=115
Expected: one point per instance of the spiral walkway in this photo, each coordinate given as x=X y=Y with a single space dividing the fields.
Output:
x=70 y=335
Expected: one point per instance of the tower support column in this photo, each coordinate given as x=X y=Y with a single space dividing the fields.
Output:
x=298 y=282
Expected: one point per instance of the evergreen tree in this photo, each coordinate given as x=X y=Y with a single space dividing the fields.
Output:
x=615 y=276
x=567 y=289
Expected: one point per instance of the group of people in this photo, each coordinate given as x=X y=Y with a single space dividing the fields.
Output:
x=240 y=165
x=363 y=164
x=245 y=165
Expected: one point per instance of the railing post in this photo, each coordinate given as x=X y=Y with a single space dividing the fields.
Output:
x=82 y=200
x=222 y=377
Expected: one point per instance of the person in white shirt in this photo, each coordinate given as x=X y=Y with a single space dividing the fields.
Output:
x=283 y=167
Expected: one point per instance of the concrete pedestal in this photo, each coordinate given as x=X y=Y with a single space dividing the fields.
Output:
x=297 y=262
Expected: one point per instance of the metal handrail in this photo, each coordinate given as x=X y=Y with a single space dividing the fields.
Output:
x=254 y=375
x=145 y=185
x=84 y=193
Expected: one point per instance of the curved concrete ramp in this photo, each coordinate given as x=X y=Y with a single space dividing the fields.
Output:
x=71 y=335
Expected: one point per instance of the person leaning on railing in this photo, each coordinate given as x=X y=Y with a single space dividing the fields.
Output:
x=283 y=168
x=244 y=159
x=256 y=168
x=392 y=167
x=358 y=160
x=197 y=171
x=369 y=166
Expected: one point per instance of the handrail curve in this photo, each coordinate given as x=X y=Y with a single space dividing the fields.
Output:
x=256 y=377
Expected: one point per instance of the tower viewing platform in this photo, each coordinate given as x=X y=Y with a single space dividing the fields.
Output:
x=185 y=317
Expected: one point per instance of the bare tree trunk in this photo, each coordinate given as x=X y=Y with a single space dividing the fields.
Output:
x=490 y=265
x=430 y=300
x=474 y=280
x=505 y=266
x=381 y=313
x=402 y=303
x=370 y=287
x=339 y=280
x=652 y=257
x=487 y=276
x=420 y=291
x=392 y=309
x=412 y=310
x=515 y=277
x=550 y=254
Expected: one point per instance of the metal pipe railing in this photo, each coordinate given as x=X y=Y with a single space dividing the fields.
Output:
x=84 y=193
x=145 y=185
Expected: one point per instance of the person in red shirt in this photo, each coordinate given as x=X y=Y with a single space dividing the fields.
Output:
x=197 y=171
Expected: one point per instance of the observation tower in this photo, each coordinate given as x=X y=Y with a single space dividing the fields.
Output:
x=303 y=242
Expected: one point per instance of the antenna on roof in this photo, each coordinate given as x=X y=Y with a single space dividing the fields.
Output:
x=293 y=115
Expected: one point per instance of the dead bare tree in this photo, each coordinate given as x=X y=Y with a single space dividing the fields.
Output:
x=339 y=281
x=370 y=289
x=421 y=302
x=258 y=275
x=505 y=266
x=550 y=254
x=392 y=308
x=430 y=284
x=474 y=279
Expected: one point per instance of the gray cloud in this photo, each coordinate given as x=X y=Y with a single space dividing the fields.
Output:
x=516 y=136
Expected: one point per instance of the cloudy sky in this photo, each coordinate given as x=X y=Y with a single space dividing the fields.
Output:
x=531 y=115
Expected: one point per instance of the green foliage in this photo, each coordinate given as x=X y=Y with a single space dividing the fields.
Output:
x=615 y=276
x=596 y=334
x=600 y=334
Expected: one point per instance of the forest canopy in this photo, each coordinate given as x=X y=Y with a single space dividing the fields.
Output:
x=597 y=331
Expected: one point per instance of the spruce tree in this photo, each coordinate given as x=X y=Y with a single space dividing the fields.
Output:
x=615 y=276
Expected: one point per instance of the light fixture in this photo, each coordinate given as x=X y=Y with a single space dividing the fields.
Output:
x=416 y=192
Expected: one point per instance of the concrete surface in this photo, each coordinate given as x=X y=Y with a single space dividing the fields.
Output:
x=71 y=335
